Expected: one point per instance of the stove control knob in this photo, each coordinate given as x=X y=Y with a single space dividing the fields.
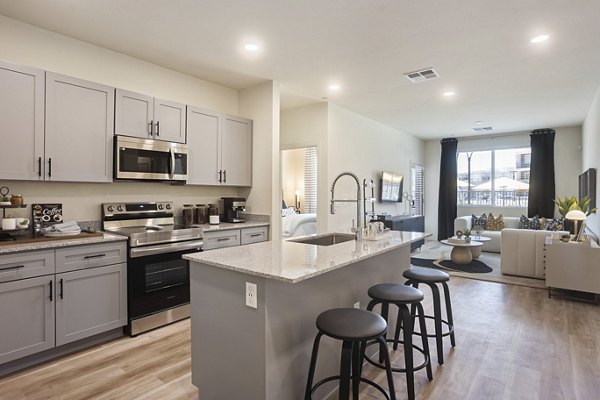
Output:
x=110 y=209
x=119 y=208
x=160 y=206
x=168 y=206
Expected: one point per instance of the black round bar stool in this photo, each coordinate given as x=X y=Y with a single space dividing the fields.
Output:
x=354 y=327
x=402 y=296
x=431 y=277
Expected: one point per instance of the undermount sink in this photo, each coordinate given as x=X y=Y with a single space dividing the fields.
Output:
x=327 y=240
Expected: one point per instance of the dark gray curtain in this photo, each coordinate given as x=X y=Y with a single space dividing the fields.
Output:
x=447 y=200
x=541 y=177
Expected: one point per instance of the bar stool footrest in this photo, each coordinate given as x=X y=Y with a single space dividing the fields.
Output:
x=395 y=369
x=444 y=322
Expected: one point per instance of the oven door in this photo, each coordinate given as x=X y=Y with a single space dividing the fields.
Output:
x=150 y=159
x=157 y=282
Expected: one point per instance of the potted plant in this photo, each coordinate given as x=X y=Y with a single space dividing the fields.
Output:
x=467 y=234
x=571 y=203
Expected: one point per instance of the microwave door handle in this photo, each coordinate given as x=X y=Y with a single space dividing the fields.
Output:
x=172 y=173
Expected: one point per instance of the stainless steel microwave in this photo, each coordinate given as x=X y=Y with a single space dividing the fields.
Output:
x=146 y=159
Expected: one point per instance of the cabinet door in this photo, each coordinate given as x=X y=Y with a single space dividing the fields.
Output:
x=170 y=119
x=27 y=317
x=90 y=301
x=134 y=114
x=236 y=151
x=203 y=140
x=21 y=122
x=79 y=123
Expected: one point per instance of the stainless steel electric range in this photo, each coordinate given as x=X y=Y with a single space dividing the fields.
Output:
x=158 y=283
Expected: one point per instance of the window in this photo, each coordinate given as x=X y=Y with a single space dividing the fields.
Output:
x=417 y=188
x=310 y=180
x=494 y=177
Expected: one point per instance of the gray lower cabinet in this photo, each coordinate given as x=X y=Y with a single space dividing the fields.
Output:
x=90 y=301
x=54 y=297
x=234 y=237
x=26 y=317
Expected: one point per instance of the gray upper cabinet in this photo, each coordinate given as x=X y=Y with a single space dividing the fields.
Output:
x=146 y=117
x=27 y=315
x=79 y=122
x=21 y=122
x=203 y=139
x=236 y=151
x=220 y=148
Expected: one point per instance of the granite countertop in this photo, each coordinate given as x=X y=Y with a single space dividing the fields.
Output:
x=63 y=242
x=294 y=262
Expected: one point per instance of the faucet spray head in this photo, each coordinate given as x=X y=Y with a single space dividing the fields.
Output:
x=332 y=207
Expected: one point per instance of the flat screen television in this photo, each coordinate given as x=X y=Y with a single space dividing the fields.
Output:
x=391 y=187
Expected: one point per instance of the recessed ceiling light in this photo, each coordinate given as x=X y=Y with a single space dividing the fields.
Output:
x=478 y=122
x=334 y=87
x=448 y=94
x=539 y=39
x=251 y=46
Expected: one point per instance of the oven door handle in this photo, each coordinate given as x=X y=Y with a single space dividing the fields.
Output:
x=165 y=248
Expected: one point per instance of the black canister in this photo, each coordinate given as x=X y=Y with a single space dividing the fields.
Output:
x=188 y=214
x=200 y=214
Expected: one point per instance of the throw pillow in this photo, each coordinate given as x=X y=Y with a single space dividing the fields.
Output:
x=490 y=223
x=555 y=224
x=478 y=221
x=523 y=222
x=498 y=224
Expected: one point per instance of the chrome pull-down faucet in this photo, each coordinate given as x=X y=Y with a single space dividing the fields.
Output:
x=359 y=221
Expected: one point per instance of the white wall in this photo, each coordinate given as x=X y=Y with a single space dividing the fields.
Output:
x=591 y=150
x=366 y=148
x=567 y=167
x=261 y=104
x=307 y=126
x=25 y=44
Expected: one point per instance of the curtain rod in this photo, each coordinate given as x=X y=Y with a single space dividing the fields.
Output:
x=492 y=136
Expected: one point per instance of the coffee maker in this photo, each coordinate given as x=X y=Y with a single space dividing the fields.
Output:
x=232 y=208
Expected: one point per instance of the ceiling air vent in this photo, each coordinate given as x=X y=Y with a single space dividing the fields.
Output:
x=483 y=129
x=421 y=76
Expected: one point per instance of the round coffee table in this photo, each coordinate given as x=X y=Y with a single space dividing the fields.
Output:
x=476 y=251
x=461 y=252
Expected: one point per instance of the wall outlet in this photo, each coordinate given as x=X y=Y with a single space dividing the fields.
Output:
x=357 y=304
x=251 y=292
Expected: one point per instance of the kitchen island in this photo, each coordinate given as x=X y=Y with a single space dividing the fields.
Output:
x=264 y=352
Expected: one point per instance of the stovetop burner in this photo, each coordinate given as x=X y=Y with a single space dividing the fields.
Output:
x=146 y=223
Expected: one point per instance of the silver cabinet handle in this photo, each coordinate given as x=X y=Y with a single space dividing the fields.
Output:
x=151 y=133
x=223 y=239
x=256 y=234
x=95 y=256
x=157 y=128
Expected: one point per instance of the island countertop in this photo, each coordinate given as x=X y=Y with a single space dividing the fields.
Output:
x=294 y=262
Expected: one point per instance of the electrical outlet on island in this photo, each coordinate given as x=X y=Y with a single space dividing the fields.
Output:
x=251 y=293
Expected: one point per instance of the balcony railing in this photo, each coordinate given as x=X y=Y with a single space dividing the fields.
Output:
x=501 y=198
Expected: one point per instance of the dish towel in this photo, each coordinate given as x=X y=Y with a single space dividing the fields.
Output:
x=65 y=227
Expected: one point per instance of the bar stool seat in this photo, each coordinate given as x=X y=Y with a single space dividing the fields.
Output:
x=426 y=274
x=347 y=324
x=432 y=277
x=395 y=292
x=354 y=327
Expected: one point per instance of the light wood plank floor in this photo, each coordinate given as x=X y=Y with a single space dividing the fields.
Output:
x=512 y=343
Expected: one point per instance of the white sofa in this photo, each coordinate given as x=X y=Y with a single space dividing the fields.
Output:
x=523 y=252
x=494 y=245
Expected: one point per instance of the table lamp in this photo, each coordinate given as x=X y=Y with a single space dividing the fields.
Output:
x=576 y=215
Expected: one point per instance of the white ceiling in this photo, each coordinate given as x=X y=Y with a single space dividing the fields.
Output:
x=480 y=48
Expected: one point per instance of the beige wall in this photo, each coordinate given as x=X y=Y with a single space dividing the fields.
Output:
x=366 y=148
x=591 y=151
x=292 y=176
x=307 y=126
x=25 y=44
x=261 y=104
x=567 y=166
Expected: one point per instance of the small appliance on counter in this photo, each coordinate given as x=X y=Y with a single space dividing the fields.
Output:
x=232 y=208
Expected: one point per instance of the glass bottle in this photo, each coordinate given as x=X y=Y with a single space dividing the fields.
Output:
x=200 y=214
